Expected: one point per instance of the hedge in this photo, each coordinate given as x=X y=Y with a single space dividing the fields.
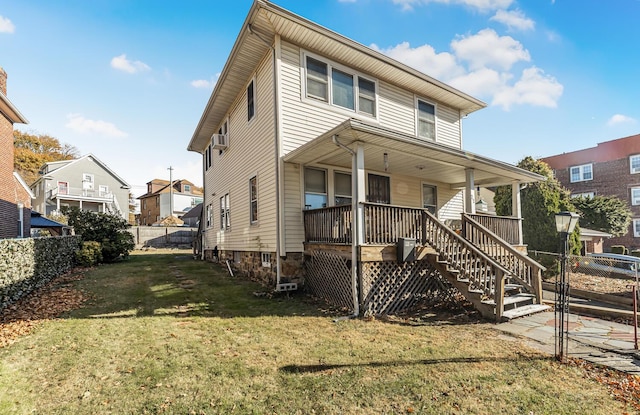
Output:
x=26 y=264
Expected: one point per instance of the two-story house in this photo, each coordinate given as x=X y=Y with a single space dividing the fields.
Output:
x=15 y=196
x=612 y=168
x=163 y=200
x=86 y=183
x=326 y=161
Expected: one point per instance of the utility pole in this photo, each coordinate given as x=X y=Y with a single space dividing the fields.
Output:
x=170 y=190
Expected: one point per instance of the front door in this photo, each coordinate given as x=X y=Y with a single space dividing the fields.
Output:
x=379 y=189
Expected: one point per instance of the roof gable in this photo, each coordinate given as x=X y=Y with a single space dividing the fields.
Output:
x=67 y=163
x=265 y=21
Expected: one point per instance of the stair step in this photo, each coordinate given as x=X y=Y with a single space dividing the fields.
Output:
x=513 y=287
x=524 y=311
x=518 y=298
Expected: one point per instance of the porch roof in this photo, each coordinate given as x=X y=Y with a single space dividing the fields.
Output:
x=408 y=156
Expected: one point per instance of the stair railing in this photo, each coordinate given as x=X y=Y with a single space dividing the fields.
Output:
x=482 y=271
x=522 y=268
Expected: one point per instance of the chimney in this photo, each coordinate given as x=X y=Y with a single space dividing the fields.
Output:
x=3 y=81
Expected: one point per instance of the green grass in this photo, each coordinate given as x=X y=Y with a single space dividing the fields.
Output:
x=164 y=333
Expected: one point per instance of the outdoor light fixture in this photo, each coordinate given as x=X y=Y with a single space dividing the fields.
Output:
x=386 y=161
x=565 y=224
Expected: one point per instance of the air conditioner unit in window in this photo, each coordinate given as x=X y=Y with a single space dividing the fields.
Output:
x=219 y=141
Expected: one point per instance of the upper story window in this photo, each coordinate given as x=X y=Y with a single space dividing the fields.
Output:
x=426 y=120
x=340 y=87
x=207 y=157
x=581 y=173
x=586 y=195
x=635 y=196
x=636 y=228
x=251 y=102
x=187 y=188
x=634 y=163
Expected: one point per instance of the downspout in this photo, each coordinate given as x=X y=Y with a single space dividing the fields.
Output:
x=276 y=111
x=202 y=224
x=354 y=227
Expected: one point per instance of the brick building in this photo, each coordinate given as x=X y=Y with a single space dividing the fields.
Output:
x=160 y=198
x=612 y=168
x=15 y=196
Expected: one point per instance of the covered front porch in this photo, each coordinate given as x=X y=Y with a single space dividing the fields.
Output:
x=366 y=240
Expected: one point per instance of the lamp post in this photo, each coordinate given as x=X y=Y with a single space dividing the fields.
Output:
x=565 y=224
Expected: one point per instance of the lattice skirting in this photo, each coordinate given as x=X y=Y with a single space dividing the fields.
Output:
x=328 y=276
x=387 y=287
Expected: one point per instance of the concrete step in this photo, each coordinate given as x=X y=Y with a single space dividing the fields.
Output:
x=524 y=311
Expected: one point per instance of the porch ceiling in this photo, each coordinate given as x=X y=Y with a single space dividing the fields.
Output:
x=408 y=156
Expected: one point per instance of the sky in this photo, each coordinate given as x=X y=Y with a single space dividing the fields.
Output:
x=128 y=80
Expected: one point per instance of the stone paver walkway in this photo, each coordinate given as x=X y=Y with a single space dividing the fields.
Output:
x=592 y=339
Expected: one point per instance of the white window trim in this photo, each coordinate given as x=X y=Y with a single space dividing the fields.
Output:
x=356 y=113
x=636 y=229
x=265 y=258
x=417 y=114
x=251 y=220
x=633 y=198
x=630 y=165
x=225 y=222
x=581 y=167
x=255 y=101
x=588 y=195
x=422 y=194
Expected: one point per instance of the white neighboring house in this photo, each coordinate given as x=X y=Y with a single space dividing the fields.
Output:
x=86 y=183
x=321 y=154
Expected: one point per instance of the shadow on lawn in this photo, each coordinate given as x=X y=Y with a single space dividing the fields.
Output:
x=177 y=285
x=393 y=363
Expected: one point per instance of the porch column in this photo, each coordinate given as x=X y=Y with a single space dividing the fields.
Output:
x=516 y=208
x=357 y=207
x=57 y=205
x=359 y=194
x=470 y=189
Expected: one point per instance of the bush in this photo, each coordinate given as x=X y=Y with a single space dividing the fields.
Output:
x=89 y=254
x=109 y=231
x=619 y=249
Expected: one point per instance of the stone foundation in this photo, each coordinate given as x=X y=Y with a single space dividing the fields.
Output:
x=249 y=264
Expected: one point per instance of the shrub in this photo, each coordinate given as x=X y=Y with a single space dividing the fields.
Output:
x=89 y=254
x=110 y=231
x=619 y=249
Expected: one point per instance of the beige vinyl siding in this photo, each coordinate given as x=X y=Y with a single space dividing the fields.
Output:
x=294 y=227
x=452 y=204
x=396 y=108
x=250 y=152
x=407 y=191
x=448 y=126
x=303 y=119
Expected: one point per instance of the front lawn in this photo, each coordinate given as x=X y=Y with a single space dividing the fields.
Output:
x=163 y=333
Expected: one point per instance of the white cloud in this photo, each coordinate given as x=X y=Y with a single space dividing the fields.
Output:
x=204 y=83
x=481 y=83
x=83 y=125
x=620 y=119
x=514 y=19
x=425 y=59
x=482 y=5
x=487 y=49
x=6 y=26
x=123 y=64
x=534 y=88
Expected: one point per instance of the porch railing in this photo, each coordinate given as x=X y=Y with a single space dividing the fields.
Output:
x=330 y=225
x=505 y=227
x=524 y=269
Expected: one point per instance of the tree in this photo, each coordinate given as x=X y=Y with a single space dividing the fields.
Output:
x=540 y=202
x=110 y=231
x=604 y=213
x=31 y=152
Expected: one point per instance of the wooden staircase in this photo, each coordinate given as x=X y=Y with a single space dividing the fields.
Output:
x=498 y=280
